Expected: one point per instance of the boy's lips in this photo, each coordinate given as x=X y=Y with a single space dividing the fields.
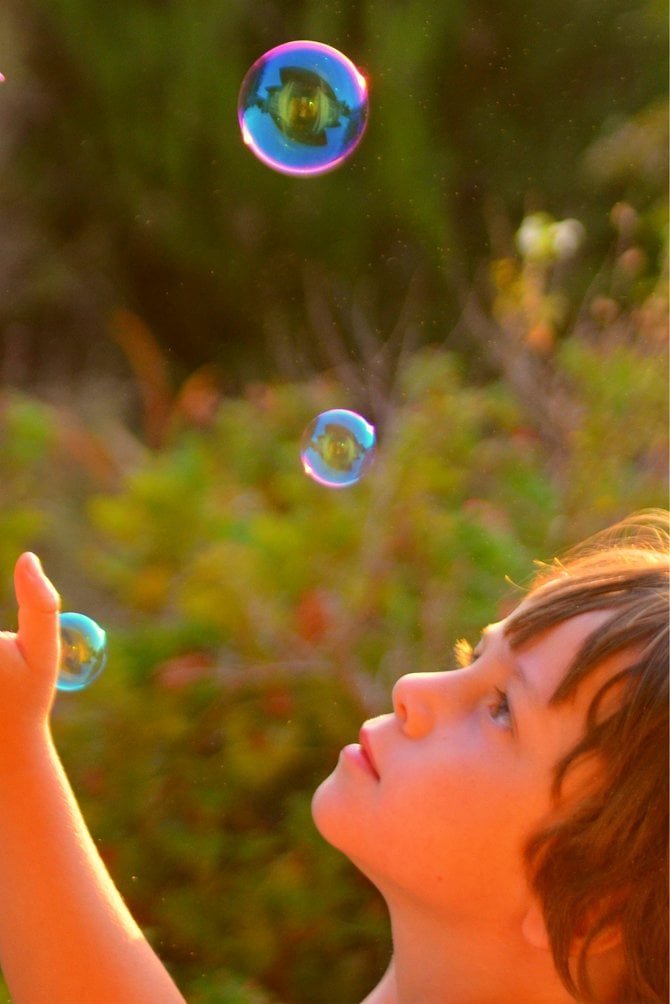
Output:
x=367 y=752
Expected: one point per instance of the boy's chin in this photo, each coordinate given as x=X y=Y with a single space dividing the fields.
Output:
x=319 y=807
x=327 y=810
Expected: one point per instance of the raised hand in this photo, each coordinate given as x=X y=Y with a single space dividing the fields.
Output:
x=66 y=936
x=29 y=657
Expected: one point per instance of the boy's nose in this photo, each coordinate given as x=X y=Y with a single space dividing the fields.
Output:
x=417 y=701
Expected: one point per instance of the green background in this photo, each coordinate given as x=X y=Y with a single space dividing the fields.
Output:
x=173 y=314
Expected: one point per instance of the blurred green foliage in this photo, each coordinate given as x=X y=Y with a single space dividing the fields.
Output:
x=256 y=618
x=517 y=376
x=126 y=183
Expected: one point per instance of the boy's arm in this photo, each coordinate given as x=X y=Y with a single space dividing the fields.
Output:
x=66 y=936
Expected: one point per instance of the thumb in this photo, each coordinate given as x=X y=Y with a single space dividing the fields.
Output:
x=38 y=636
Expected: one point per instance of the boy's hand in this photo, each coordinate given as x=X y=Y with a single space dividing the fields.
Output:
x=66 y=936
x=29 y=659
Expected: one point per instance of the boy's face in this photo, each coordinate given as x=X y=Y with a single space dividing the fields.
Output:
x=458 y=777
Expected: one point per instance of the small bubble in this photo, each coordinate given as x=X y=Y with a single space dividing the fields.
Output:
x=83 y=651
x=303 y=108
x=338 y=448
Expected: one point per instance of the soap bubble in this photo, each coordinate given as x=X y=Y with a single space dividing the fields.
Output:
x=338 y=448
x=83 y=651
x=303 y=108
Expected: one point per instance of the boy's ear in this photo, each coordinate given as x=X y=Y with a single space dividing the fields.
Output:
x=533 y=927
x=535 y=933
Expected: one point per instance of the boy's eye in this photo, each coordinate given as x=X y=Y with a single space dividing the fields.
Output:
x=500 y=710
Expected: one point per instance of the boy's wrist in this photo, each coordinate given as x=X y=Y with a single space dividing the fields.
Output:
x=24 y=751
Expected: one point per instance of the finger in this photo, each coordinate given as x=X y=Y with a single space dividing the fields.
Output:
x=39 y=603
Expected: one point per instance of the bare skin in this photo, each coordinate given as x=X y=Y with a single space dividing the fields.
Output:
x=434 y=806
x=65 y=933
x=385 y=992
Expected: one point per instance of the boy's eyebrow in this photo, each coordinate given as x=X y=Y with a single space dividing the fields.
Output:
x=517 y=669
x=519 y=674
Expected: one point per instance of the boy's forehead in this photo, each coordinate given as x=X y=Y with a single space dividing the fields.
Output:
x=576 y=625
x=547 y=656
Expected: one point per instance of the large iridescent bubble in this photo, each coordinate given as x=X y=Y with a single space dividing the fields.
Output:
x=83 y=651
x=303 y=108
x=338 y=447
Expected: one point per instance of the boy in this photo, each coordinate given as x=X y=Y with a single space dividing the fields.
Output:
x=513 y=813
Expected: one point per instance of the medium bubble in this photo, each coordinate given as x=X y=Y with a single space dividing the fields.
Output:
x=338 y=448
x=83 y=651
x=303 y=108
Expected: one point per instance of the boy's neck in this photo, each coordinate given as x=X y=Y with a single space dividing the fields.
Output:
x=434 y=965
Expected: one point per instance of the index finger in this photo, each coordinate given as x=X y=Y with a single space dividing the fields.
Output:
x=39 y=604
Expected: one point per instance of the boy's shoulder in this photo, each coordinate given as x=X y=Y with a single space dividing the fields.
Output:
x=385 y=991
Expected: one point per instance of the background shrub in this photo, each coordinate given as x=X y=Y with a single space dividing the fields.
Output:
x=256 y=619
x=486 y=280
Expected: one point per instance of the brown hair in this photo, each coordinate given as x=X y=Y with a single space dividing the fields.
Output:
x=602 y=863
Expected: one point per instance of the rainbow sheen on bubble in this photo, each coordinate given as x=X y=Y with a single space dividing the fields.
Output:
x=338 y=447
x=303 y=108
x=83 y=651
